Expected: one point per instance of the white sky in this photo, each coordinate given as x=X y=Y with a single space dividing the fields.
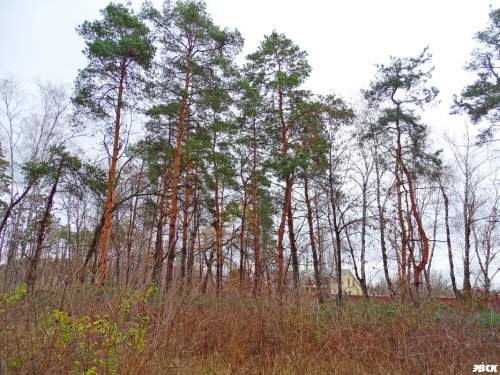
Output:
x=344 y=39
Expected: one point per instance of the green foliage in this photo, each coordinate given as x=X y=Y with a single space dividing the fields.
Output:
x=481 y=99
x=67 y=170
x=19 y=292
x=5 y=179
x=113 y=45
x=138 y=297
x=95 y=337
x=399 y=89
x=278 y=64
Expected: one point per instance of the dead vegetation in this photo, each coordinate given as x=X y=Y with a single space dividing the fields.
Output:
x=95 y=330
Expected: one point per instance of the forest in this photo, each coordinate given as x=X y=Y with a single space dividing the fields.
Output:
x=217 y=187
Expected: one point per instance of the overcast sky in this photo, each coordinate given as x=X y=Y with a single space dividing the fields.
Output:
x=344 y=39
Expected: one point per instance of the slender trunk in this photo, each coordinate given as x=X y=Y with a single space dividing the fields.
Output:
x=293 y=247
x=317 y=271
x=162 y=214
x=418 y=268
x=281 y=235
x=40 y=236
x=404 y=237
x=8 y=212
x=448 y=241
x=255 y=217
x=185 y=213
x=218 y=221
x=145 y=268
x=467 y=286
x=336 y=228
x=427 y=271
x=93 y=246
x=208 y=274
x=185 y=219
x=111 y=177
x=244 y=183
x=381 y=223
x=218 y=237
x=362 y=278
x=176 y=172
x=288 y=194
x=130 y=238
x=194 y=234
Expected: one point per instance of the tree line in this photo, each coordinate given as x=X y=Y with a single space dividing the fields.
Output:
x=216 y=173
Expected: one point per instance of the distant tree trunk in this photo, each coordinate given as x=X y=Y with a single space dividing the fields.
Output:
x=192 y=242
x=162 y=215
x=255 y=217
x=281 y=235
x=467 y=217
x=31 y=274
x=363 y=283
x=185 y=219
x=130 y=239
x=9 y=209
x=381 y=223
x=361 y=273
x=293 y=248
x=158 y=251
x=111 y=176
x=427 y=272
x=145 y=264
x=336 y=228
x=218 y=236
x=93 y=246
x=317 y=270
x=244 y=183
x=208 y=274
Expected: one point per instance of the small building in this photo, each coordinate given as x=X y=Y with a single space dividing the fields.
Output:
x=350 y=285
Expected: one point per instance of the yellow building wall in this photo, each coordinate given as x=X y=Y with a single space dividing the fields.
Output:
x=350 y=285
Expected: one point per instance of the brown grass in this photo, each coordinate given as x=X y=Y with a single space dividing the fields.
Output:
x=107 y=331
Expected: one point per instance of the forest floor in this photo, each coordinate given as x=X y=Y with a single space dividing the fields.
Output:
x=94 y=330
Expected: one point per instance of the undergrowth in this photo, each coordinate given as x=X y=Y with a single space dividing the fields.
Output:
x=95 y=330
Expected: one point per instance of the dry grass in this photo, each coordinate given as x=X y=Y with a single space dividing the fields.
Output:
x=108 y=331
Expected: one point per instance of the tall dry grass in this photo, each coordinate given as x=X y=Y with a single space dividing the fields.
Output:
x=95 y=330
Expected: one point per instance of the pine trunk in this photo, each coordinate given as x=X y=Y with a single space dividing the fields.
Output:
x=111 y=177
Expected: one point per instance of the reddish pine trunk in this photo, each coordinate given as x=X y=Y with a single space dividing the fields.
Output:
x=293 y=247
x=111 y=178
x=287 y=198
x=176 y=172
x=402 y=225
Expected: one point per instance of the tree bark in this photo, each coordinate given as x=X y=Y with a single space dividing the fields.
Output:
x=111 y=176
x=448 y=240
x=317 y=271
x=244 y=184
x=176 y=171
x=293 y=247
x=381 y=223
x=31 y=274
x=255 y=217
